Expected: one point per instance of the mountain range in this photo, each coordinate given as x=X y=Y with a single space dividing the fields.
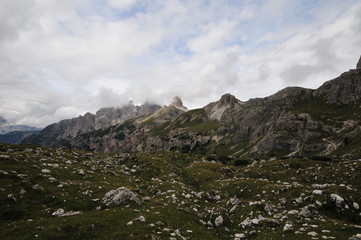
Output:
x=293 y=122
x=12 y=133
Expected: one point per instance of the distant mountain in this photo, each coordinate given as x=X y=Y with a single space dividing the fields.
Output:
x=12 y=133
x=16 y=136
x=65 y=130
x=12 y=128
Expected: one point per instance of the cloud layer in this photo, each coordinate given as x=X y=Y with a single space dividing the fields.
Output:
x=59 y=59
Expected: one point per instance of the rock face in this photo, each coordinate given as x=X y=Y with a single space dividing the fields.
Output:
x=215 y=110
x=58 y=133
x=106 y=117
x=344 y=89
x=177 y=102
x=358 y=66
x=118 y=196
x=64 y=130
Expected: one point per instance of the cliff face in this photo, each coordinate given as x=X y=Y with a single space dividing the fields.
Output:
x=65 y=130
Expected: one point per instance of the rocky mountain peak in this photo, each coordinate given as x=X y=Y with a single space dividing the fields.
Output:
x=227 y=100
x=177 y=102
x=358 y=66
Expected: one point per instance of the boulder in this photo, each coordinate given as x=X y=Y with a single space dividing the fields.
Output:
x=118 y=196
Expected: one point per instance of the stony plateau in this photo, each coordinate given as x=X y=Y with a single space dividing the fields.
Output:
x=55 y=193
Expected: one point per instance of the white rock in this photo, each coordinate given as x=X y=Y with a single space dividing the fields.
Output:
x=129 y=223
x=317 y=192
x=292 y=212
x=239 y=235
x=38 y=187
x=81 y=172
x=312 y=234
x=45 y=171
x=70 y=213
x=119 y=196
x=233 y=209
x=288 y=227
x=58 y=212
x=337 y=198
x=140 y=219
x=219 y=221
x=356 y=206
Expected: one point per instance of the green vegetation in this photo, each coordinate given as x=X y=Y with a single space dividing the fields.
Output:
x=319 y=109
x=182 y=189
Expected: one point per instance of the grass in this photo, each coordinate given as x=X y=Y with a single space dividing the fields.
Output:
x=176 y=183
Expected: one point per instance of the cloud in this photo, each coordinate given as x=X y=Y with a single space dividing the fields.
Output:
x=59 y=59
x=122 y=4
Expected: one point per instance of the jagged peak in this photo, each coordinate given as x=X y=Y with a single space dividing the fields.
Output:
x=177 y=102
x=227 y=100
x=358 y=66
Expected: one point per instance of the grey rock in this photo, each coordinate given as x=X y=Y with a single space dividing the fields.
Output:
x=38 y=187
x=58 y=212
x=119 y=196
x=339 y=201
x=218 y=221
x=288 y=227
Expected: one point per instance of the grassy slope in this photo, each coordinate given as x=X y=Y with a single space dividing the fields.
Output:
x=160 y=175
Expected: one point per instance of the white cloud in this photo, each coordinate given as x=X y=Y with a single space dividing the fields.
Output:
x=122 y=4
x=61 y=58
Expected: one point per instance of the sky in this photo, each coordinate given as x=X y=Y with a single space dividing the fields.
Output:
x=60 y=59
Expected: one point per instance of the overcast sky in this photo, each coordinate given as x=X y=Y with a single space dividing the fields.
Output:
x=59 y=59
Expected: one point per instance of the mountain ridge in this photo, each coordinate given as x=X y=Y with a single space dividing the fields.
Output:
x=295 y=121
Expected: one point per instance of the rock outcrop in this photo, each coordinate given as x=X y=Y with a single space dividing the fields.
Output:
x=215 y=110
x=358 y=66
x=118 y=196
x=177 y=102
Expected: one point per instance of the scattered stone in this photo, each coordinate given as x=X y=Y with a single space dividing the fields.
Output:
x=130 y=223
x=12 y=197
x=58 y=212
x=119 y=196
x=312 y=234
x=38 y=187
x=146 y=199
x=317 y=192
x=45 y=171
x=356 y=206
x=288 y=227
x=268 y=207
x=337 y=199
x=219 y=221
x=140 y=219
x=240 y=235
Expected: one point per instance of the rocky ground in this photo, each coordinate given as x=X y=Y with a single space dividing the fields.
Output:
x=68 y=194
